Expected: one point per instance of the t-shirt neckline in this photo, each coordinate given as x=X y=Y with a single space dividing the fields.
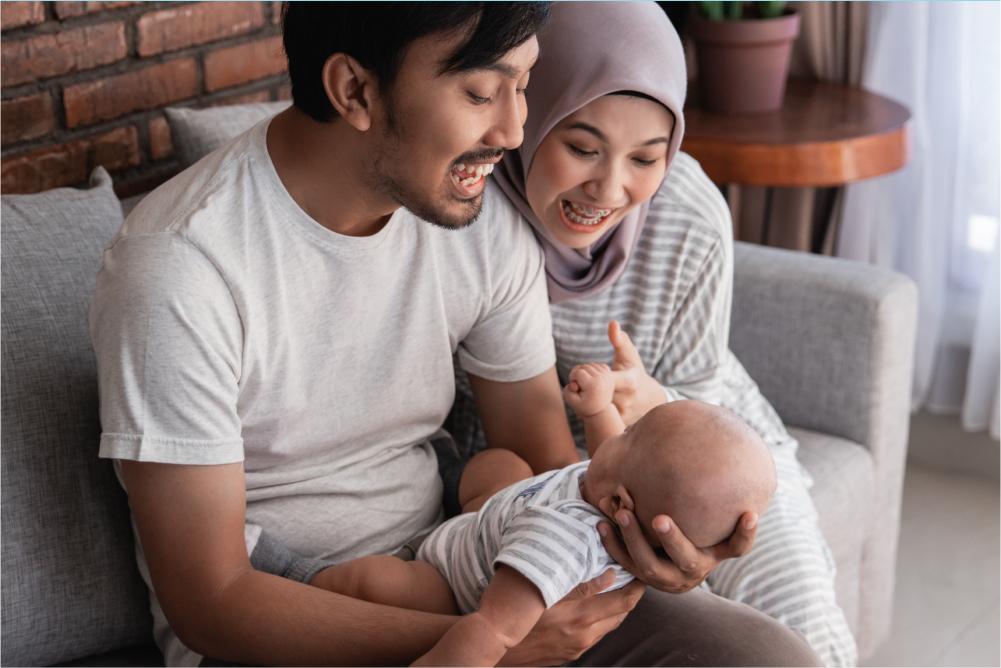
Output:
x=302 y=221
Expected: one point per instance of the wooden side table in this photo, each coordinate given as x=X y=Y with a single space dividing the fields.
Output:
x=825 y=134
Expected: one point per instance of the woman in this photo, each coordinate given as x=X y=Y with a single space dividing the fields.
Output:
x=624 y=243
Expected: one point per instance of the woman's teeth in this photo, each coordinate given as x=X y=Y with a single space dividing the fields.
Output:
x=583 y=214
x=467 y=175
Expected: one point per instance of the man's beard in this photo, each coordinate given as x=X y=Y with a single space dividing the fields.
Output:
x=383 y=178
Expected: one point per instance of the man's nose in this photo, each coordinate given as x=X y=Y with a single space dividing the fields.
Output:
x=507 y=131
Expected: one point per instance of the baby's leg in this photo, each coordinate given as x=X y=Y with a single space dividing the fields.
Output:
x=487 y=473
x=416 y=585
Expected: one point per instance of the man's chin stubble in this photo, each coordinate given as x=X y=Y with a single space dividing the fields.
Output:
x=430 y=215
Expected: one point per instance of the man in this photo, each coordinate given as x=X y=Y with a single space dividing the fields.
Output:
x=275 y=327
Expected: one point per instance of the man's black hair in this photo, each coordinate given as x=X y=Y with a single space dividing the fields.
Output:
x=377 y=34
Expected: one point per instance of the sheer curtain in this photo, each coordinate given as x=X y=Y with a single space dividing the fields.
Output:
x=937 y=219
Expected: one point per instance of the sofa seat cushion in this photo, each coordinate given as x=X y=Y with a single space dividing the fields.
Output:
x=139 y=655
x=70 y=583
x=843 y=492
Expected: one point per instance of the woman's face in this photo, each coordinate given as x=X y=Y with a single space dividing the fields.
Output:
x=598 y=164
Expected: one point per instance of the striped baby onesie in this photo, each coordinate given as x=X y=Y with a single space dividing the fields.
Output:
x=674 y=300
x=541 y=527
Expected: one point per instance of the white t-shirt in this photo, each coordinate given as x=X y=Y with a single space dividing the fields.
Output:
x=541 y=527
x=230 y=326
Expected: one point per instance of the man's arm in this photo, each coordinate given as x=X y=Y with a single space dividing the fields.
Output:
x=509 y=608
x=526 y=417
x=190 y=521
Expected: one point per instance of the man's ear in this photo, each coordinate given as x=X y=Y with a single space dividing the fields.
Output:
x=351 y=89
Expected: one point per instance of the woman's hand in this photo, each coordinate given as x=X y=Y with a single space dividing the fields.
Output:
x=636 y=392
x=687 y=565
x=575 y=624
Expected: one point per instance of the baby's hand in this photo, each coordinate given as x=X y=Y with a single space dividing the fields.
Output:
x=590 y=389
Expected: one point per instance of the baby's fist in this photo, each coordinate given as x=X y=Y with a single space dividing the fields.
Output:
x=590 y=389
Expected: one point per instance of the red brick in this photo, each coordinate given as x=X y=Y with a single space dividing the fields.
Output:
x=114 y=150
x=69 y=164
x=16 y=14
x=245 y=62
x=245 y=98
x=116 y=96
x=52 y=54
x=46 y=168
x=65 y=10
x=160 y=142
x=183 y=26
x=26 y=118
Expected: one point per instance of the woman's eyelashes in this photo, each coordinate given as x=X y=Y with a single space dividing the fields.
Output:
x=584 y=153
x=578 y=151
x=477 y=99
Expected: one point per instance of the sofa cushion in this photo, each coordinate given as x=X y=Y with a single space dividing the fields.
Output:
x=844 y=493
x=69 y=579
x=197 y=132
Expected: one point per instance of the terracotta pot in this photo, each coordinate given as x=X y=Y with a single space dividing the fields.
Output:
x=743 y=65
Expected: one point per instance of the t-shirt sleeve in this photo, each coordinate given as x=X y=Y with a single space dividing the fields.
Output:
x=553 y=550
x=512 y=339
x=168 y=338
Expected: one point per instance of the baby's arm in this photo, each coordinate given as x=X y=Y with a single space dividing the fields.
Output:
x=589 y=393
x=509 y=608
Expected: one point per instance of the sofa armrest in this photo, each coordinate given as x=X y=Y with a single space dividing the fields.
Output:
x=830 y=343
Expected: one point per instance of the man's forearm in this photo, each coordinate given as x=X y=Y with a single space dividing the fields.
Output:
x=264 y=619
x=473 y=641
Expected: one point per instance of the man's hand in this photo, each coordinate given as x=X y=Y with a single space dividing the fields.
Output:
x=687 y=565
x=636 y=392
x=590 y=389
x=575 y=624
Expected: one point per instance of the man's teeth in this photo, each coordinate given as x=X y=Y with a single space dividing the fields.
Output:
x=583 y=214
x=467 y=175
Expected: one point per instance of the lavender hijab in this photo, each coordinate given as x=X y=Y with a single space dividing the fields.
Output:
x=591 y=49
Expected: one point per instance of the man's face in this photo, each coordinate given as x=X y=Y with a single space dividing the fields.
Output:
x=436 y=137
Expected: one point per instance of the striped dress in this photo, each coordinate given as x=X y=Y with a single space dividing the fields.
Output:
x=540 y=527
x=673 y=299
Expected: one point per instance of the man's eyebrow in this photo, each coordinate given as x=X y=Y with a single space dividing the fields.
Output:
x=586 y=127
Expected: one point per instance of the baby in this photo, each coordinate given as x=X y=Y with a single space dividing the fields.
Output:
x=533 y=542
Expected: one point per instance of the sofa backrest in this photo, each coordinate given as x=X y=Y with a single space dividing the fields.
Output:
x=70 y=584
x=69 y=580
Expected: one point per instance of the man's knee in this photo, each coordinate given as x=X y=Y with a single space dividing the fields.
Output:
x=699 y=629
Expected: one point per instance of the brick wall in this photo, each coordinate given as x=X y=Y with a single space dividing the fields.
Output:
x=84 y=83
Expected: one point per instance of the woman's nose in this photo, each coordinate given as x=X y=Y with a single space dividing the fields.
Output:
x=607 y=187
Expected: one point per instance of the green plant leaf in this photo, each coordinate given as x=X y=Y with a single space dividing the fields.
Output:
x=712 y=10
x=770 y=9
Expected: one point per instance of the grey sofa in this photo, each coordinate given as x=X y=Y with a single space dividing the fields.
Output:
x=829 y=342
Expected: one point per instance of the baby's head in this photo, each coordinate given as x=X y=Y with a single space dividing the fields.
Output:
x=698 y=463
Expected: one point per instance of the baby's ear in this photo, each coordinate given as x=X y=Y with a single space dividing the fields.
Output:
x=623 y=499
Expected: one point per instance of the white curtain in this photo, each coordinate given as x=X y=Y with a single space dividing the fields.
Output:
x=937 y=219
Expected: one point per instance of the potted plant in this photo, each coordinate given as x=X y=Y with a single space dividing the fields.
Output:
x=742 y=52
